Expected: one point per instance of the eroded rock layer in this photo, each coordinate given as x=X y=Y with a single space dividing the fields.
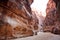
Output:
x=52 y=20
x=16 y=19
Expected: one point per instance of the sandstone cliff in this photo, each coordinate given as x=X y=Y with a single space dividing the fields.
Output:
x=52 y=20
x=16 y=19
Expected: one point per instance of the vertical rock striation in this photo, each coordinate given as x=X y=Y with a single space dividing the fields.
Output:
x=52 y=20
x=16 y=19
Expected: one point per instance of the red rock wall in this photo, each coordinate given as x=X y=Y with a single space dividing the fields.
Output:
x=51 y=22
x=15 y=21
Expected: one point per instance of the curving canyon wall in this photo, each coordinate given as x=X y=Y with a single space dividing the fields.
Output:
x=52 y=20
x=16 y=19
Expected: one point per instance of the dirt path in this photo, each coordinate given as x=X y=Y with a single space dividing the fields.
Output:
x=41 y=36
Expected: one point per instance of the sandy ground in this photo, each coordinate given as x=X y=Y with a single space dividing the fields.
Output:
x=41 y=36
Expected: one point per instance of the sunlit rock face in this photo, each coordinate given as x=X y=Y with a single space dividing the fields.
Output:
x=52 y=22
x=40 y=6
x=16 y=19
x=39 y=9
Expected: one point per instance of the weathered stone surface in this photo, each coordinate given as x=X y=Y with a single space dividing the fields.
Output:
x=52 y=22
x=17 y=19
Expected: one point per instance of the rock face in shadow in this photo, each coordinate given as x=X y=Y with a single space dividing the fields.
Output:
x=16 y=19
x=52 y=20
